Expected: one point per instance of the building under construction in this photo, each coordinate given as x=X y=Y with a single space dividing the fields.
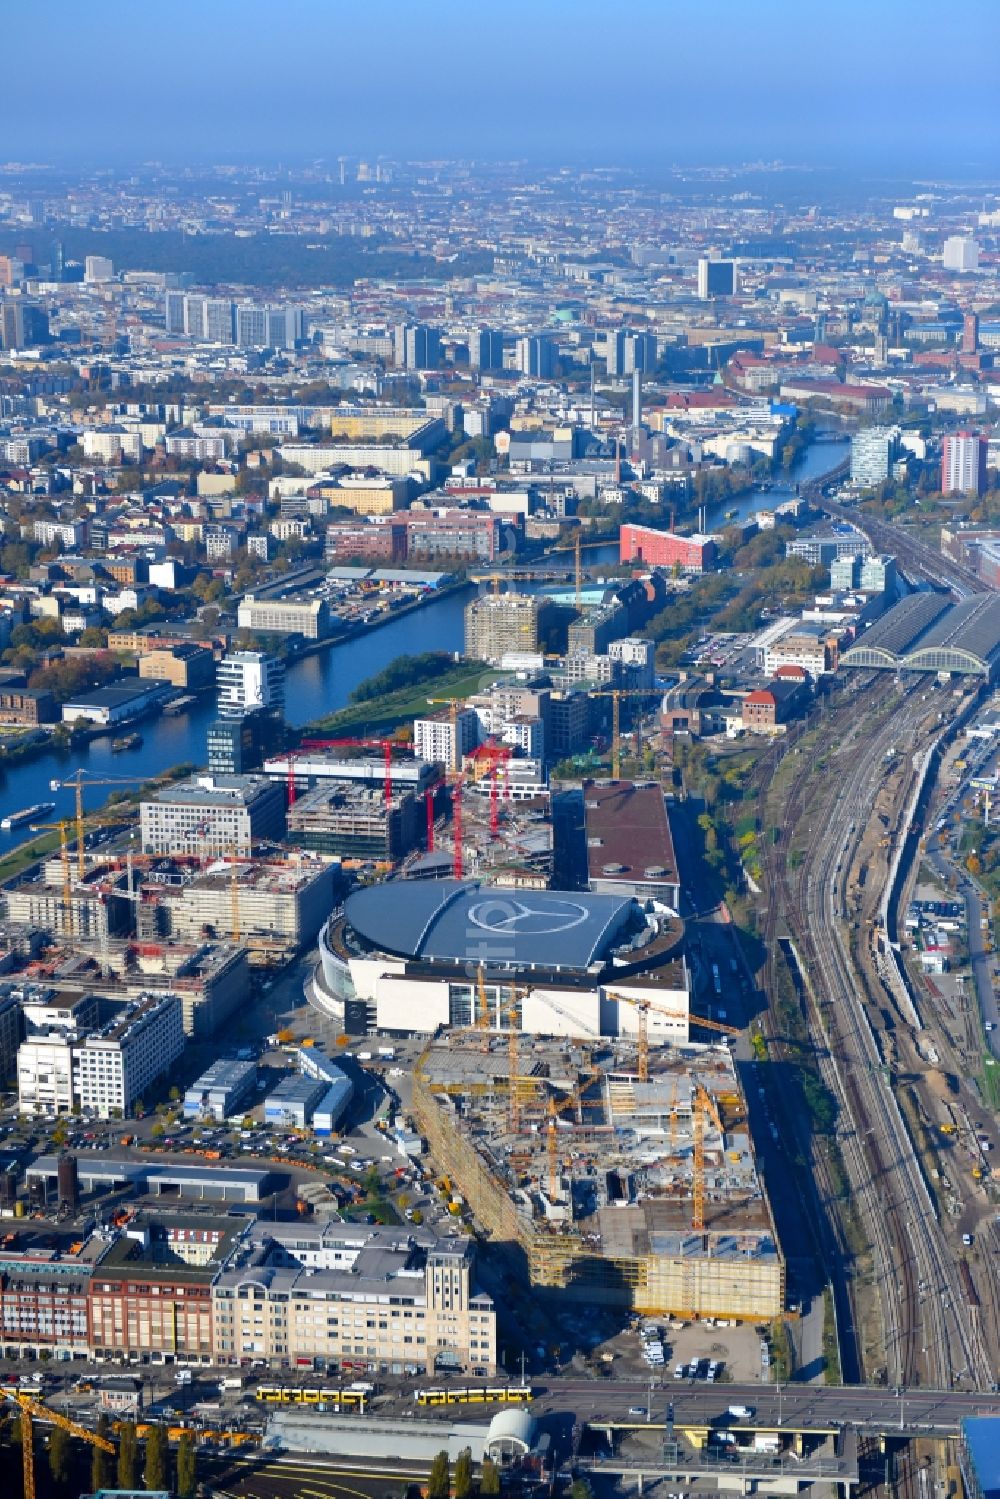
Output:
x=354 y=822
x=267 y=904
x=602 y=1186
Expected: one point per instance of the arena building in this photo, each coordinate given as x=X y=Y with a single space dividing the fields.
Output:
x=411 y=956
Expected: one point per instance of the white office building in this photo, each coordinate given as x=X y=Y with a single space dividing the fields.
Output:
x=961 y=253
x=249 y=680
x=212 y=817
x=873 y=452
x=106 y=1072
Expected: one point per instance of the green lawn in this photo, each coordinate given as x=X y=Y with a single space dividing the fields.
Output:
x=381 y=715
x=19 y=858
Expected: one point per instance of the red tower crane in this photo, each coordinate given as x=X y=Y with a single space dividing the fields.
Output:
x=385 y=745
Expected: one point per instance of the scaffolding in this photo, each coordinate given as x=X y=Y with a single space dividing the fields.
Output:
x=690 y=1272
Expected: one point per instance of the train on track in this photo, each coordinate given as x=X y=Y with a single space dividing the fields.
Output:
x=352 y=1398
x=483 y=1395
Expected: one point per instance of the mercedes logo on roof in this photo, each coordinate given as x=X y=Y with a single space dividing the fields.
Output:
x=512 y=917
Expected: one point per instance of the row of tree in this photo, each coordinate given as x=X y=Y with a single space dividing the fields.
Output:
x=126 y=1471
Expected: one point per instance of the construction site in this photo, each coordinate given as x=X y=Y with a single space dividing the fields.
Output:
x=613 y=1174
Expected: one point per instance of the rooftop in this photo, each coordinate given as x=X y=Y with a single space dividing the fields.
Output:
x=627 y=827
x=452 y=921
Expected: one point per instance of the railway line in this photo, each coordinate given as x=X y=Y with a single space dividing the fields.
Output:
x=926 y=1317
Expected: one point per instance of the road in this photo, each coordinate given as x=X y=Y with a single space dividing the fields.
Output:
x=792 y=1406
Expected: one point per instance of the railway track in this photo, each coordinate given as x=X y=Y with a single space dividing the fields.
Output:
x=925 y=1318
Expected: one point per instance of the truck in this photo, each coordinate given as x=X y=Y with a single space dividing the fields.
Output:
x=766 y=1441
x=740 y=1412
x=231 y=1382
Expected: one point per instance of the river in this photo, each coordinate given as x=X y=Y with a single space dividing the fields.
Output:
x=317 y=684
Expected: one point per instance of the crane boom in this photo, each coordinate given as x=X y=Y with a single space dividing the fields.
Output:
x=32 y=1410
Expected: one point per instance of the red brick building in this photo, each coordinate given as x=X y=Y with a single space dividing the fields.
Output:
x=152 y=1291
x=767 y=709
x=694 y=554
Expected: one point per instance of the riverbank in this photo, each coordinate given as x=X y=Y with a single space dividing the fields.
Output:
x=384 y=714
x=387 y=617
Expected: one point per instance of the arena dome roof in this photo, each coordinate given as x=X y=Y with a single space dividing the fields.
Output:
x=455 y=921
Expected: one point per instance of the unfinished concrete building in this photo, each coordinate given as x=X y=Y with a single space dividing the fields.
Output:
x=601 y=1186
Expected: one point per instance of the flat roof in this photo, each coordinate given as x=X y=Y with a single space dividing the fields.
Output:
x=453 y=921
x=627 y=825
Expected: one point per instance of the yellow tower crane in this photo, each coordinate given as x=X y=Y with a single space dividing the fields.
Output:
x=616 y=694
x=67 y=875
x=644 y=1006
x=76 y=782
x=32 y=1410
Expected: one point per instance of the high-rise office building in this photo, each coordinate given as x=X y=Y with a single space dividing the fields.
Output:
x=716 y=278
x=963 y=463
x=238 y=745
x=536 y=355
x=961 y=253
x=486 y=349
x=23 y=325
x=872 y=454
x=174 y=310
x=98 y=268
x=248 y=680
x=627 y=352
x=878 y=575
x=416 y=346
x=970 y=333
x=845 y=572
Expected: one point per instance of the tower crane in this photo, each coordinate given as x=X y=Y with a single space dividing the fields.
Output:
x=555 y=1108
x=67 y=876
x=644 y=1006
x=76 y=782
x=702 y=1104
x=616 y=694
x=32 y=1410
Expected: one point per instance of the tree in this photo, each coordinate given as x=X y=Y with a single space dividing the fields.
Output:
x=59 y=1455
x=100 y=1462
x=439 y=1482
x=581 y=1489
x=128 y=1467
x=489 y=1477
x=187 y=1467
x=156 y=1458
x=463 y=1474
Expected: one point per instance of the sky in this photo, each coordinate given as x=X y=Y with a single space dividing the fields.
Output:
x=883 y=83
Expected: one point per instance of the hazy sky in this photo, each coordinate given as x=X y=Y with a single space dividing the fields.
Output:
x=907 y=83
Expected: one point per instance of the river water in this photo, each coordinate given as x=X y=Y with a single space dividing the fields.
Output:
x=316 y=685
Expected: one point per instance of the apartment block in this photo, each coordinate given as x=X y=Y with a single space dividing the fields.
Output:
x=500 y=624
x=322 y=1295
